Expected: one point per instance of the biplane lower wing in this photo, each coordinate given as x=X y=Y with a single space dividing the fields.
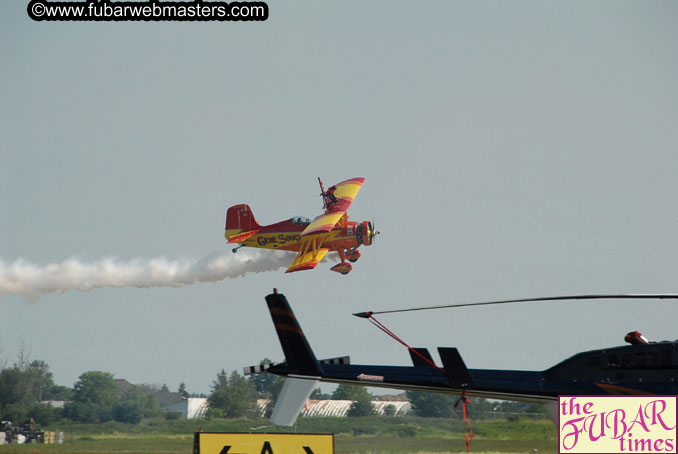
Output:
x=310 y=254
x=308 y=260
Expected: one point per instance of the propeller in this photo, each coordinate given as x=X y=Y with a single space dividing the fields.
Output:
x=373 y=231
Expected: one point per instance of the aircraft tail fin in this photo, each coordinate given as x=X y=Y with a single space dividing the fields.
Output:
x=551 y=407
x=298 y=354
x=239 y=218
x=457 y=373
x=418 y=360
x=292 y=398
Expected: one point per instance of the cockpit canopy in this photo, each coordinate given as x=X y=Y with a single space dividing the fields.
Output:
x=300 y=220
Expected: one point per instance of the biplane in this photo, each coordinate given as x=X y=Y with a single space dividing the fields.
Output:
x=311 y=240
x=643 y=367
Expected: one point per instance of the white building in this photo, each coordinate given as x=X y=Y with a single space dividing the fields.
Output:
x=188 y=408
x=340 y=408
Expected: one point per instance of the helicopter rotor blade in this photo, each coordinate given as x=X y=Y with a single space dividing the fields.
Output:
x=544 y=298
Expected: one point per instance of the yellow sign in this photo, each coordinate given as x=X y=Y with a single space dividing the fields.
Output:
x=243 y=443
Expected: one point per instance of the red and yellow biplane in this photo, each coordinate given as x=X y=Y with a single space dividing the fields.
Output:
x=311 y=240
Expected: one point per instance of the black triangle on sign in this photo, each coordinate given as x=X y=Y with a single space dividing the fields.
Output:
x=225 y=450
x=266 y=449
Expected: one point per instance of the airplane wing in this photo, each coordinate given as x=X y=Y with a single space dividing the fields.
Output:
x=345 y=192
x=308 y=257
x=323 y=223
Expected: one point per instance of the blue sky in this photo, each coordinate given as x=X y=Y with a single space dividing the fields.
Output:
x=509 y=149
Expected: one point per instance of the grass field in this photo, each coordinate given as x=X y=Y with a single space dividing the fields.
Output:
x=370 y=435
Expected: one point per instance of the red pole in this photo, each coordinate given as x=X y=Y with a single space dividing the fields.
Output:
x=322 y=193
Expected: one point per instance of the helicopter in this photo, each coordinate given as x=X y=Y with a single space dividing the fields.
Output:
x=639 y=368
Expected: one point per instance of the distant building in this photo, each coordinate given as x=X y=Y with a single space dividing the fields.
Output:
x=169 y=402
x=340 y=408
x=54 y=403
x=188 y=408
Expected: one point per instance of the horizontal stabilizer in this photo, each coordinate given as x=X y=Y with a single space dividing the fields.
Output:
x=261 y=368
x=240 y=237
x=295 y=392
x=418 y=360
x=339 y=360
x=251 y=370
x=455 y=369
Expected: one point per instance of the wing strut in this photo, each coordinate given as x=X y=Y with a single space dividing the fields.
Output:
x=310 y=254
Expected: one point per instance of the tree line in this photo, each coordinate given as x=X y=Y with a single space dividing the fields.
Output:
x=25 y=389
x=96 y=397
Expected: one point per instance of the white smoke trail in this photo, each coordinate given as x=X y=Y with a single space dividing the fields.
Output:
x=29 y=280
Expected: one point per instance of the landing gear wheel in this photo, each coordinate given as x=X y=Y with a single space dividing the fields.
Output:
x=342 y=268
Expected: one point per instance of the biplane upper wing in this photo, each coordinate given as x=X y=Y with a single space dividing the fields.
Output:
x=345 y=192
